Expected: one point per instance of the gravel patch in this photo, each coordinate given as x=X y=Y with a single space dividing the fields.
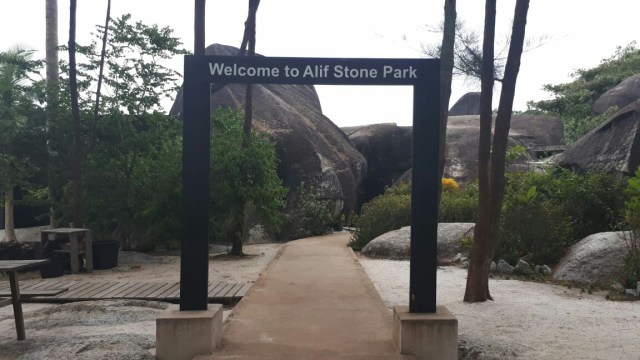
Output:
x=527 y=320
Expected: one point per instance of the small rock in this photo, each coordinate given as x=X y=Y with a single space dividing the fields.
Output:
x=457 y=257
x=465 y=264
x=523 y=266
x=632 y=292
x=617 y=287
x=504 y=267
x=464 y=258
x=537 y=269
x=493 y=266
x=546 y=270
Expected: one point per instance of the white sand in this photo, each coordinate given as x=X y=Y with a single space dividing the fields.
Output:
x=527 y=320
x=59 y=331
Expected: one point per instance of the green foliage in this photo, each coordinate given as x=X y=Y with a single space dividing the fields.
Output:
x=384 y=213
x=132 y=151
x=544 y=214
x=632 y=239
x=21 y=120
x=311 y=216
x=572 y=101
x=459 y=206
x=132 y=181
x=229 y=190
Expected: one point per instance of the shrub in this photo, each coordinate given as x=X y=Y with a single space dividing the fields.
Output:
x=387 y=212
x=392 y=210
x=632 y=218
x=312 y=216
x=544 y=214
x=460 y=205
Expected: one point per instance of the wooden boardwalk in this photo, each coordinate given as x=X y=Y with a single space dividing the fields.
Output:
x=220 y=292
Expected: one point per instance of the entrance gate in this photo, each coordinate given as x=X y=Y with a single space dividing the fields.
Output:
x=201 y=71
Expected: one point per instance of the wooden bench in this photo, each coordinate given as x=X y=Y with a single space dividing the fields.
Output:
x=35 y=292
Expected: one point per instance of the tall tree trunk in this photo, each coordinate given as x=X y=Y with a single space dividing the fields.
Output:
x=199 y=27
x=503 y=118
x=53 y=72
x=446 y=75
x=250 y=38
x=477 y=288
x=75 y=118
x=103 y=54
x=9 y=227
x=488 y=223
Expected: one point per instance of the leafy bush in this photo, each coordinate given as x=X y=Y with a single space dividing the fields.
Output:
x=544 y=214
x=240 y=176
x=459 y=206
x=312 y=216
x=392 y=210
x=632 y=218
x=384 y=213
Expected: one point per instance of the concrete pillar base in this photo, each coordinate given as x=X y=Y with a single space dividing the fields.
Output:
x=432 y=336
x=182 y=335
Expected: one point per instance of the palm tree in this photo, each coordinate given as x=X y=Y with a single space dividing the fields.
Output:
x=16 y=95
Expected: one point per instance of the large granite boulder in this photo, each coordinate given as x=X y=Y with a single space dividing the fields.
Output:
x=387 y=149
x=468 y=104
x=596 y=259
x=612 y=147
x=534 y=132
x=619 y=96
x=396 y=244
x=311 y=149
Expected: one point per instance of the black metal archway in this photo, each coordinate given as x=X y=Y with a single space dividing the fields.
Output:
x=201 y=71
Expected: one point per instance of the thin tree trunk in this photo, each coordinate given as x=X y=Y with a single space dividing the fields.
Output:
x=75 y=118
x=9 y=227
x=250 y=38
x=103 y=54
x=199 y=27
x=53 y=71
x=477 y=288
x=446 y=75
x=503 y=118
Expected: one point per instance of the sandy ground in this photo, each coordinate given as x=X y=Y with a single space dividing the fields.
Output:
x=124 y=329
x=527 y=320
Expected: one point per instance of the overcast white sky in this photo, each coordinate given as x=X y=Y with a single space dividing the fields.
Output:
x=580 y=34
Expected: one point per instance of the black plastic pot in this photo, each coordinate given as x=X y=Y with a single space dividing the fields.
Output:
x=105 y=254
x=54 y=268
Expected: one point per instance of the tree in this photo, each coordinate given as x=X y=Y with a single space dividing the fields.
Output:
x=491 y=158
x=572 y=101
x=76 y=165
x=242 y=175
x=128 y=158
x=446 y=74
x=250 y=36
x=17 y=98
x=53 y=72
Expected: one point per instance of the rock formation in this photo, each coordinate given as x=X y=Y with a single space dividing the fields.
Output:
x=612 y=147
x=596 y=259
x=531 y=131
x=396 y=244
x=311 y=149
x=468 y=104
x=619 y=96
x=387 y=149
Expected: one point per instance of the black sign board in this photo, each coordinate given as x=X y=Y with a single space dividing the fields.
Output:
x=201 y=71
